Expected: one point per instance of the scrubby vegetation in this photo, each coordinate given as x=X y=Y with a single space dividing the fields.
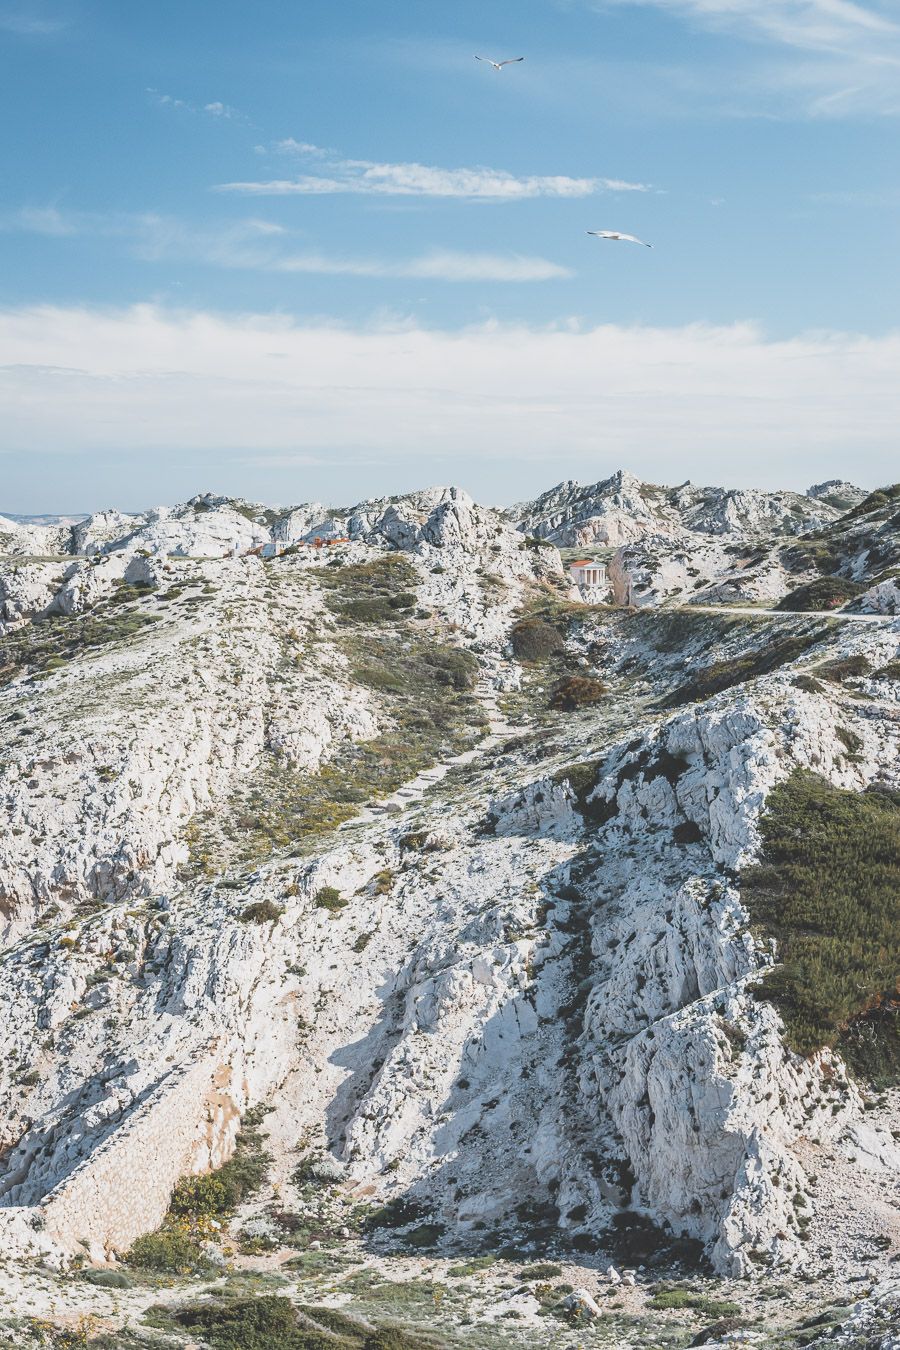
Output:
x=824 y=593
x=49 y=644
x=682 y=1297
x=177 y=1247
x=377 y=592
x=577 y=691
x=330 y=898
x=845 y=668
x=430 y=713
x=712 y=679
x=828 y=890
x=273 y=1322
x=535 y=639
x=261 y=911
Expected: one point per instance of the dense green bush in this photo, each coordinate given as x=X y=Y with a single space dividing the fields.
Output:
x=535 y=639
x=261 y=911
x=173 y=1249
x=828 y=890
x=329 y=897
x=577 y=691
x=265 y=1323
x=824 y=593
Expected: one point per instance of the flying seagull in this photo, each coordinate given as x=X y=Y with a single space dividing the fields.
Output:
x=614 y=234
x=498 y=65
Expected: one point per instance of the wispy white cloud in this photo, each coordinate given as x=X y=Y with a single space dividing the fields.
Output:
x=214 y=109
x=29 y=25
x=664 y=400
x=289 y=146
x=265 y=246
x=844 y=55
x=424 y=180
x=812 y=25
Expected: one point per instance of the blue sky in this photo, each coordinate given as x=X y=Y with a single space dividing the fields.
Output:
x=316 y=250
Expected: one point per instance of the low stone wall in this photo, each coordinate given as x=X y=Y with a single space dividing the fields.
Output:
x=123 y=1188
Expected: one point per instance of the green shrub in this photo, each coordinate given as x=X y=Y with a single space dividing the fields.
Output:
x=535 y=639
x=384 y=882
x=846 y=668
x=330 y=898
x=577 y=691
x=454 y=666
x=542 y=1270
x=889 y=672
x=824 y=593
x=198 y=1198
x=266 y=1323
x=174 y=1250
x=377 y=677
x=828 y=890
x=808 y=684
x=261 y=911
x=851 y=742
x=106 y=1279
x=881 y=499
x=688 y=1298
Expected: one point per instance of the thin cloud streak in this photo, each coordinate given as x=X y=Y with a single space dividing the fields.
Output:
x=369 y=177
x=27 y=26
x=844 y=57
x=142 y=379
x=265 y=246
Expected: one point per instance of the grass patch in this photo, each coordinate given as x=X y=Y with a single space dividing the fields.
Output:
x=828 y=890
x=689 y=1298
x=377 y=592
x=429 y=714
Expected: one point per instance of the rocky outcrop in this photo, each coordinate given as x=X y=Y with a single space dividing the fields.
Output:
x=516 y=993
x=622 y=509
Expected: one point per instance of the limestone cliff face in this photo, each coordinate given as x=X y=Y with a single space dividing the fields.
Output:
x=531 y=1001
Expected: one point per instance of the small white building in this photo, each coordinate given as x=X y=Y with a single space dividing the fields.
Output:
x=589 y=575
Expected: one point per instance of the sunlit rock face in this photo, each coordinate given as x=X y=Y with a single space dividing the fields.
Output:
x=299 y=827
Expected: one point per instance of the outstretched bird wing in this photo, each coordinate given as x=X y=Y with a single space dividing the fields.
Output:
x=616 y=234
x=511 y=61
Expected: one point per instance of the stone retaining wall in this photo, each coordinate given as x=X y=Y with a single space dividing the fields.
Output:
x=123 y=1188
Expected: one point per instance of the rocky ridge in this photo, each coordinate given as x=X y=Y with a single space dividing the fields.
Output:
x=551 y=1037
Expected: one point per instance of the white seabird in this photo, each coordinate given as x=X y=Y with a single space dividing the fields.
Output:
x=615 y=234
x=498 y=65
